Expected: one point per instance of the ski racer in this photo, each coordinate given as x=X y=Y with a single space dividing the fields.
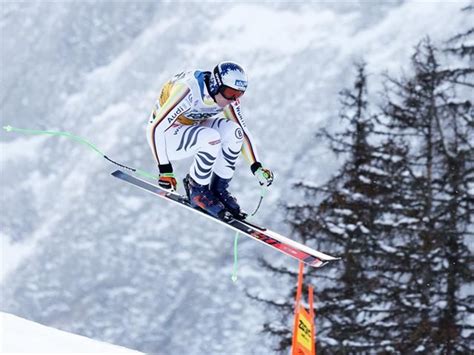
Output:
x=198 y=115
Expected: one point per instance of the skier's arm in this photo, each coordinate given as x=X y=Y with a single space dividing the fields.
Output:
x=263 y=175
x=249 y=149
x=162 y=118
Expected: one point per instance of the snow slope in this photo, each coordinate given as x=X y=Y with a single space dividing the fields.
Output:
x=18 y=335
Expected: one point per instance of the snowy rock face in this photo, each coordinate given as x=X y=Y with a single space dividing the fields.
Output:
x=85 y=253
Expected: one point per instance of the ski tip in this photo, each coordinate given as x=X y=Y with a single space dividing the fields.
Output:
x=318 y=263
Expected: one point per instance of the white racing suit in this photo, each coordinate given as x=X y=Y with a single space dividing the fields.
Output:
x=186 y=122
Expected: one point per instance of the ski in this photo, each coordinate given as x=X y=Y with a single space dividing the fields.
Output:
x=281 y=243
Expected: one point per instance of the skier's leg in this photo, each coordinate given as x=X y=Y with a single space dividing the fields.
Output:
x=204 y=144
x=231 y=145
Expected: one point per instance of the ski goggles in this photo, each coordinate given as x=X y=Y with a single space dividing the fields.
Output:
x=230 y=93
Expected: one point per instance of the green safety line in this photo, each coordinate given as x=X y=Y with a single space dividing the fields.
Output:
x=80 y=140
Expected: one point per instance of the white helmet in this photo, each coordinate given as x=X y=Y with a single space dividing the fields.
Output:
x=230 y=80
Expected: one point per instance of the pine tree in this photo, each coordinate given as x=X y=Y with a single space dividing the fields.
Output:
x=456 y=127
x=341 y=216
x=399 y=212
x=425 y=107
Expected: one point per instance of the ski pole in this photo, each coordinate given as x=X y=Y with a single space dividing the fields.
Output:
x=263 y=192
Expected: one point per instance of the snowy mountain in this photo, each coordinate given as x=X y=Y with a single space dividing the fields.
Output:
x=21 y=335
x=84 y=253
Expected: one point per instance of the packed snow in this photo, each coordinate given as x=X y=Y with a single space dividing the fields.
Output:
x=18 y=335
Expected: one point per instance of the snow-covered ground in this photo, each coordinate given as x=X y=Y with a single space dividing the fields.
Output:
x=18 y=335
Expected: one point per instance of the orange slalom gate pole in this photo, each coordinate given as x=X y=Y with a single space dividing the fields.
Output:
x=299 y=288
x=303 y=329
x=312 y=316
x=300 y=285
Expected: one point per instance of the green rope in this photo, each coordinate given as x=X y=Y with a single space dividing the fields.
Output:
x=80 y=140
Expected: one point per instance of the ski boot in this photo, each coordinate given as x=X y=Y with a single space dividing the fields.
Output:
x=201 y=197
x=219 y=188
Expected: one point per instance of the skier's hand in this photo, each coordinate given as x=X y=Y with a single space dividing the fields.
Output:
x=264 y=176
x=168 y=181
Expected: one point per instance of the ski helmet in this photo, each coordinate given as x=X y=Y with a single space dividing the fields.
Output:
x=230 y=80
